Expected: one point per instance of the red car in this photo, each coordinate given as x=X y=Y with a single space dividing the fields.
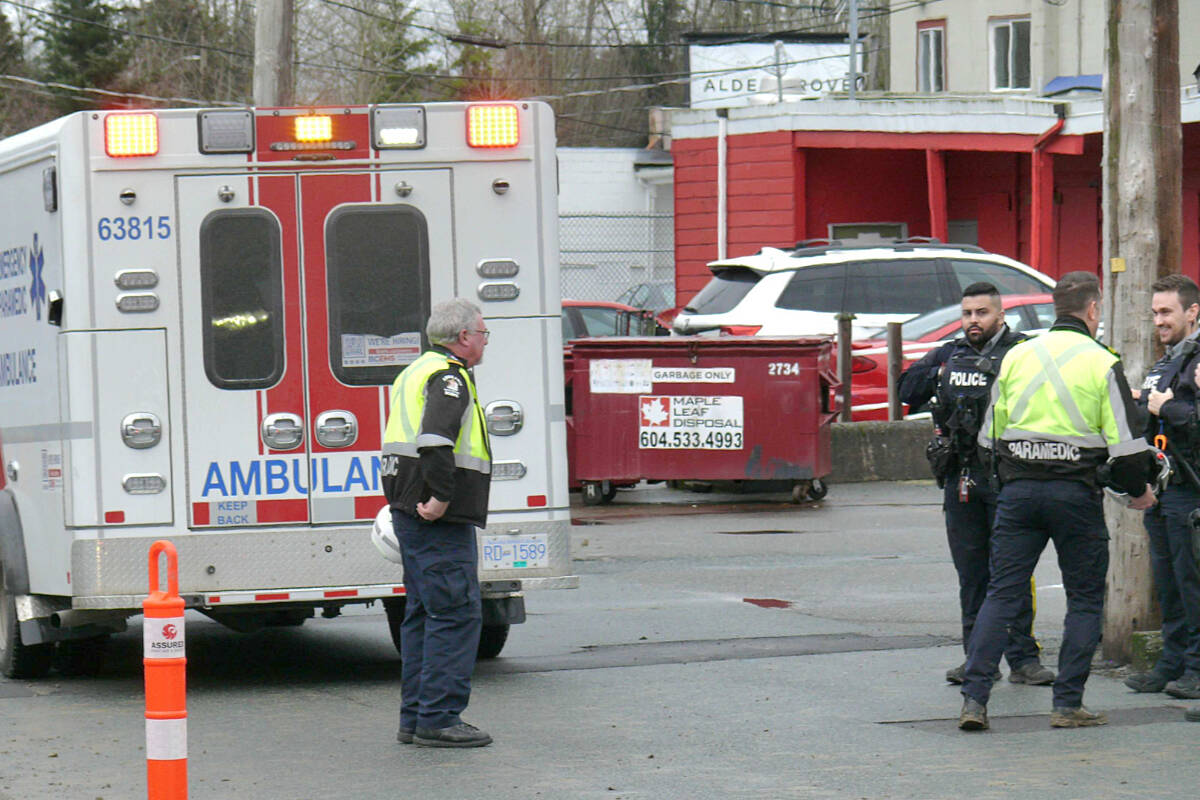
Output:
x=868 y=394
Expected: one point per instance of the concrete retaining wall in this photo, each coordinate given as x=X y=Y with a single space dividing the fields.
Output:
x=880 y=451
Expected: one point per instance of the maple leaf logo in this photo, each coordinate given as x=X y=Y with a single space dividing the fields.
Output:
x=656 y=412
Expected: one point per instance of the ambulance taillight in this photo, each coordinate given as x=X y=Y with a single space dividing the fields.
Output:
x=131 y=135
x=493 y=125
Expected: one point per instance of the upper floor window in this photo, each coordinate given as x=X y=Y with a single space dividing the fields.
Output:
x=1009 y=46
x=931 y=51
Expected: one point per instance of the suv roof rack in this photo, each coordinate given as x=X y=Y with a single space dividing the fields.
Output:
x=816 y=247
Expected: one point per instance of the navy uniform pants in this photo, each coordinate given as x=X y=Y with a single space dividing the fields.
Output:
x=969 y=533
x=1176 y=580
x=1030 y=513
x=442 y=619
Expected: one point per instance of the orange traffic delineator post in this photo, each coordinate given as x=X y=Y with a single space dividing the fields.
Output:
x=166 y=681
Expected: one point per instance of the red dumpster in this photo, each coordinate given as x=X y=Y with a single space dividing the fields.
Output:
x=744 y=408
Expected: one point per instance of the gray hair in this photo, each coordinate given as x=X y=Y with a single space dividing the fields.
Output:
x=450 y=317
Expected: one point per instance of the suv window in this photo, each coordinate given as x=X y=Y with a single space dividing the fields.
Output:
x=724 y=291
x=902 y=286
x=820 y=288
x=1002 y=276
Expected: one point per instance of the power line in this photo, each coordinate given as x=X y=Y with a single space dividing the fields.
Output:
x=108 y=93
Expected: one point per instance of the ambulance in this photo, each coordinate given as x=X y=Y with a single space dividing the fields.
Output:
x=201 y=313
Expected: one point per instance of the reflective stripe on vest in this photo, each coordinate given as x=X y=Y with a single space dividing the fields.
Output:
x=1061 y=389
x=403 y=436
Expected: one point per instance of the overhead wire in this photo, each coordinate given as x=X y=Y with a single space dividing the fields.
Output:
x=672 y=77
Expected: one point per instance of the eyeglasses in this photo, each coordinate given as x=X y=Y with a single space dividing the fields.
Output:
x=484 y=334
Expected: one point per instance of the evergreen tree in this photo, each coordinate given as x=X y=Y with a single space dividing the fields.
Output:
x=80 y=48
x=393 y=47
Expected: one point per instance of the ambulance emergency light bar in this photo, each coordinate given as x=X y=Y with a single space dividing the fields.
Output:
x=488 y=125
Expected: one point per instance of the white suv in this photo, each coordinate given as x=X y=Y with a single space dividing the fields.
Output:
x=799 y=292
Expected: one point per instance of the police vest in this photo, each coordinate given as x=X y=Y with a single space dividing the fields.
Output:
x=1166 y=373
x=404 y=436
x=964 y=389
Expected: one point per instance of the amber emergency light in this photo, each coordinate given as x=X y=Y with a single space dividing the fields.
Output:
x=493 y=125
x=314 y=129
x=130 y=135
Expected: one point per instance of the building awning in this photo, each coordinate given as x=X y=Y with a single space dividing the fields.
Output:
x=1069 y=83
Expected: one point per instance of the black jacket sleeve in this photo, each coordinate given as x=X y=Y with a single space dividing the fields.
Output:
x=1130 y=472
x=918 y=383
x=447 y=396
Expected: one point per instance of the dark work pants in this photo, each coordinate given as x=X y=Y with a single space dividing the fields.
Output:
x=969 y=533
x=442 y=619
x=1029 y=514
x=1176 y=580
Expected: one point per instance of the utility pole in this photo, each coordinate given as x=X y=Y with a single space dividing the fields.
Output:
x=1142 y=164
x=853 y=48
x=273 y=53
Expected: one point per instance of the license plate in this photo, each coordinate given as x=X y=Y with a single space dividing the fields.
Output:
x=515 y=552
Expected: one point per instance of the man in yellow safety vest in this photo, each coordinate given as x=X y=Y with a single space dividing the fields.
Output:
x=436 y=475
x=1061 y=409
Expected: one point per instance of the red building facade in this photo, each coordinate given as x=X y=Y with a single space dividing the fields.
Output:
x=1025 y=184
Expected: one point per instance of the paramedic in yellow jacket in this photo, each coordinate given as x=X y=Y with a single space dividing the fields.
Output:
x=436 y=474
x=1061 y=408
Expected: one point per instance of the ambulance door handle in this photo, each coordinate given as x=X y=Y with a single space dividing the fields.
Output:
x=282 y=431
x=337 y=428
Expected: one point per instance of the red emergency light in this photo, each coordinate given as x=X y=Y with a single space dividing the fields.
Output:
x=493 y=125
x=130 y=135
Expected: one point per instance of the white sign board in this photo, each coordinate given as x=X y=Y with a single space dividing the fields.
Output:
x=675 y=422
x=729 y=75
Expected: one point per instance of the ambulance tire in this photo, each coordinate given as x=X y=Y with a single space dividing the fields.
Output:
x=394 y=608
x=19 y=660
x=82 y=658
x=491 y=641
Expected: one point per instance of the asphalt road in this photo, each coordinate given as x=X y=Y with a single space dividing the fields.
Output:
x=719 y=647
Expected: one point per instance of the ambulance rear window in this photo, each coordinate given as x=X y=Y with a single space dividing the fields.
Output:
x=242 y=298
x=377 y=265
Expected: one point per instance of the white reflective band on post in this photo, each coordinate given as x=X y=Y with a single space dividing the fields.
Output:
x=166 y=739
x=162 y=637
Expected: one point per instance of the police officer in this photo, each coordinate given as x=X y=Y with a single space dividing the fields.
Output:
x=1060 y=409
x=958 y=376
x=436 y=476
x=1169 y=394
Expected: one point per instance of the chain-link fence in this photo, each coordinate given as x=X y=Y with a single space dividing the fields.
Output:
x=611 y=256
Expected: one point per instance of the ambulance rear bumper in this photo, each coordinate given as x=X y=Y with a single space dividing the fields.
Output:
x=297 y=565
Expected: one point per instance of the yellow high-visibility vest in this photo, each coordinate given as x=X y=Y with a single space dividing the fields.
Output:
x=1058 y=390
x=404 y=437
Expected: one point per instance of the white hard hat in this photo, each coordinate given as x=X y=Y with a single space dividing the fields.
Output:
x=384 y=538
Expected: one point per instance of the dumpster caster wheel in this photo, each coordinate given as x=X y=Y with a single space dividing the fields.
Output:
x=596 y=493
x=809 y=490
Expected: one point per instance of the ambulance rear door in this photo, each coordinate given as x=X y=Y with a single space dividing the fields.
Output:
x=304 y=295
